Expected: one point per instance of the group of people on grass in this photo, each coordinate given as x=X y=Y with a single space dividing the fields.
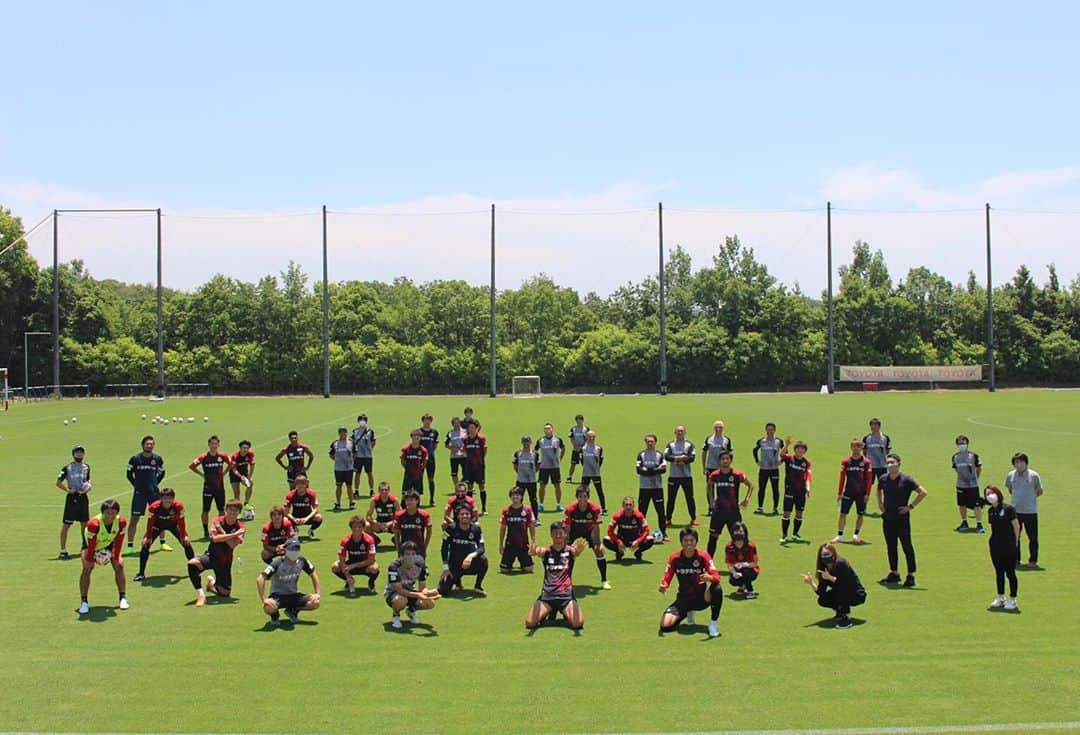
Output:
x=871 y=467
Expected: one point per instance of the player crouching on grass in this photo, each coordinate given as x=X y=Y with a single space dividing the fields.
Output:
x=275 y=533
x=381 y=511
x=517 y=533
x=356 y=555
x=165 y=514
x=406 y=580
x=557 y=594
x=741 y=558
x=226 y=533
x=302 y=506
x=699 y=585
x=284 y=575
x=463 y=553
x=104 y=542
x=628 y=531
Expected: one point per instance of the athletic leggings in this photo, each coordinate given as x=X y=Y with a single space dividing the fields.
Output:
x=1005 y=566
x=764 y=476
x=656 y=496
x=687 y=485
x=1029 y=522
x=898 y=528
x=599 y=485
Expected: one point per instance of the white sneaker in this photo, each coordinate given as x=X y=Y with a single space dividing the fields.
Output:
x=690 y=618
x=395 y=622
x=84 y=608
x=1010 y=604
x=783 y=539
x=998 y=602
x=855 y=539
x=412 y=617
x=124 y=603
x=837 y=539
x=714 y=631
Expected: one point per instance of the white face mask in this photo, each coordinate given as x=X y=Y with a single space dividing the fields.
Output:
x=362 y=424
x=292 y=554
x=961 y=447
x=993 y=499
x=893 y=469
x=1021 y=466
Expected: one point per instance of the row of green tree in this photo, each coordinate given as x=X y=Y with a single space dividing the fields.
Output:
x=730 y=324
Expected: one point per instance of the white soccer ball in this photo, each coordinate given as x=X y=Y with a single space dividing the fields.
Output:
x=101 y=558
x=191 y=419
x=144 y=417
x=657 y=536
x=205 y=418
x=165 y=421
x=74 y=420
x=65 y=422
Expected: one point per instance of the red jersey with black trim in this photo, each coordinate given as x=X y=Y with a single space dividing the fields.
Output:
x=558 y=573
x=412 y=526
x=747 y=554
x=727 y=488
x=385 y=509
x=93 y=526
x=581 y=521
x=214 y=467
x=166 y=519
x=300 y=506
x=352 y=551
x=628 y=527
x=517 y=521
x=856 y=477
x=414 y=460
x=276 y=536
x=455 y=502
x=797 y=473
x=475 y=448
x=220 y=551
x=688 y=571
x=242 y=464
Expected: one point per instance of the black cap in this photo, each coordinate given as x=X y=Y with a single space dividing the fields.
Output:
x=526 y=438
x=78 y=448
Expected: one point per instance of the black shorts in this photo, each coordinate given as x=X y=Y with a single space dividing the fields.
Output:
x=76 y=508
x=362 y=464
x=142 y=498
x=794 y=499
x=473 y=473
x=215 y=496
x=457 y=465
x=527 y=487
x=430 y=468
x=687 y=603
x=591 y=537
x=553 y=474
x=859 y=501
x=557 y=604
x=160 y=533
x=412 y=483
x=221 y=572
x=722 y=519
x=575 y=457
x=967 y=497
x=286 y=601
x=512 y=554
x=343 y=477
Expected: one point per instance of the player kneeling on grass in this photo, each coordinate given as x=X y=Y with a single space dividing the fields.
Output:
x=517 y=533
x=628 y=531
x=165 y=514
x=463 y=553
x=284 y=575
x=406 y=585
x=699 y=585
x=356 y=555
x=836 y=585
x=557 y=594
x=583 y=519
x=226 y=533
x=741 y=558
x=302 y=506
x=275 y=533
x=104 y=541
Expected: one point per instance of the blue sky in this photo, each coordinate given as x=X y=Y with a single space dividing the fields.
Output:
x=262 y=108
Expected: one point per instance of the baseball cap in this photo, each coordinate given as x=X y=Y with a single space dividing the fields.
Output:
x=78 y=448
x=292 y=543
x=526 y=438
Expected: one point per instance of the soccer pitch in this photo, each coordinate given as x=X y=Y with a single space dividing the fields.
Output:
x=924 y=658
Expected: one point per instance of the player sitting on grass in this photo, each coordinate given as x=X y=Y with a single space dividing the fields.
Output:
x=104 y=541
x=165 y=514
x=356 y=555
x=406 y=586
x=284 y=575
x=699 y=585
x=275 y=533
x=226 y=533
x=557 y=594
x=463 y=553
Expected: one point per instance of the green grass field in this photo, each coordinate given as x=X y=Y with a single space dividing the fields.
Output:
x=932 y=656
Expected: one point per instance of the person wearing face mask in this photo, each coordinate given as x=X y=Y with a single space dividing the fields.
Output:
x=836 y=585
x=741 y=558
x=1025 y=486
x=1004 y=552
x=968 y=468
x=893 y=495
x=363 y=438
x=406 y=589
x=284 y=575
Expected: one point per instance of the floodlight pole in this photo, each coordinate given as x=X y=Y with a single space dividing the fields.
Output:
x=160 y=318
x=492 y=289
x=56 y=299
x=663 y=308
x=989 y=310
x=26 y=360
x=831 y=379
x=325 y=311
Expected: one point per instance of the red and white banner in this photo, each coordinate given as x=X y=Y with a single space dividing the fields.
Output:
x=911 y=374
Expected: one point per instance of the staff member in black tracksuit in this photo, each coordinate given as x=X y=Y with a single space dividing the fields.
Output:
x=1004 y=552
x=836 y=584
x=893 y=494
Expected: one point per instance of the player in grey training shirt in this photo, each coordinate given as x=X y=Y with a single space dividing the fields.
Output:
x=968 y=468
x=525 y=462
x=592 y=459
x=284 y=575
x=767 y=455
x=577 y=436
x=711 y=448
x=363 y=437
x=551 y=450
x=74 y=480
x=876 y=445
x=455 y=442
x=1025 y=487
x=680 y=456
x=341 y=451
x=650 y=468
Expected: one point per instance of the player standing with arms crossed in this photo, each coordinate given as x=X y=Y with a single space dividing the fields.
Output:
x=876 y=445
x=767 y=452
x=592 y=459
x=455 y=442
x=711 y=448
x=525 y=463
x=577 y=436
x=363 y=437
x=145 y=471
x=680 y=456
x=341 y=451
x=429 y=440
x=551 y=449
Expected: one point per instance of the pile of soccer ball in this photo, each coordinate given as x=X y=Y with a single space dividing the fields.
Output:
x=166 y=420
x=74 y=420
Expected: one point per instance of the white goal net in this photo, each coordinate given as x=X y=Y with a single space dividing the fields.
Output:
x=525 y=386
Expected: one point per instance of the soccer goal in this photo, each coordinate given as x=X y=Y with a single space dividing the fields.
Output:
x=525 y=386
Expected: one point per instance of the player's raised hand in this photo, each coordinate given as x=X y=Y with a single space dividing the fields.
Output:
x=580 y=545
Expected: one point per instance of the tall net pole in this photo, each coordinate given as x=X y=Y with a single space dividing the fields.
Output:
x=56 y=299
x=989 y=310
x=663 y=309
x=325 y=311
x=493 y=376
x=830 y=380
x=160 y=318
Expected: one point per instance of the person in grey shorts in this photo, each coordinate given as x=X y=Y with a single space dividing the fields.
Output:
x=968 y=468
x=284 y=575
x=680 y=456
x=341 y=451
x=876 y=445
x=1025 y=486
x=767 y=456
x=592 y=458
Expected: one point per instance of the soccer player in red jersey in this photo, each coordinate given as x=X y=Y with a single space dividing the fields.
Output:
x=557 y=594
x=458 y=499
x=517 y=533
x=856 y=482
x=699 y=585
x=741 y=558
x=475 y=470
x=414 y=459
x=275 y=533
x=242 y=472
x=298 y=458
x=583 y=520
x=797 y=477
x=104 y=541
x=302 y=506
x=628 y=531
x=165 y=514
x=381 y=510
x=211 y=466
x=412 y=524
x=356 y=555
x=726 y=511
x=226 y=533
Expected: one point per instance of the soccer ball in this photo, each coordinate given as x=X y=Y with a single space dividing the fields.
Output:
x=191 y=419
x=165 y=421
x=74 y=420
x=65 y=422
x=101 y=558
x=204 y=418
x=657 y=536
x=144 y=417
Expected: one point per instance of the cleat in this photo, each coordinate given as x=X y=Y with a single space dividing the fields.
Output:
x=395 y=622
x=371 y=583
x=84 y=608
x=796 y=537
x=478 y=589
x=998 y=602
x=667 y=521
x=413 y=620
x=714 y=630
x=350 y=585
x=909 y=581
x=558 y=508
x=64 y=555
x=783 y=539
x=1010 y=604
x=666 y=539
x=855 y=539
x=273 y=624
x=837 y=539
x=690 y=618
x=352 y=506
x=311 y=534
x=539 y=509
x=962 y=527
x=751 y=595
x=337 y=507
x=619 y=553
x=980 y=529
x=210 y=584
x=605 y=585
x=292 y=615
x=759 y=511
x=695 y=522
x=890 y=578
x=639 y=554
x=140 y=577
x=124 y=603
x=843 y=623
x=165 y=547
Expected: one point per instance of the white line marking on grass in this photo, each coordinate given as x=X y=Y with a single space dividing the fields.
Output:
x=902 y=730
x=1006 y=427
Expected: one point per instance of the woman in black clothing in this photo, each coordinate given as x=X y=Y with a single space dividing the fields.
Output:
x=836 y=584
x=1004 y=532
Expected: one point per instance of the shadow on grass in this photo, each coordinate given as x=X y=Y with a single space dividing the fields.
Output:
x=421 y=630
x=830 y=623
x=585 y=590
x=549 y=623
x=1022 y=568
x=212 y=599
x=284 y=624
x=1003 y=611
x=687 y=629
x=898 y=587
x=360 y=592
x=98 y=614
x=465 y=595
x=161 y=580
